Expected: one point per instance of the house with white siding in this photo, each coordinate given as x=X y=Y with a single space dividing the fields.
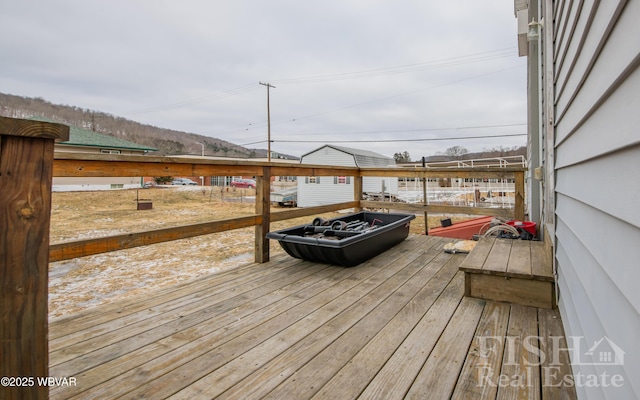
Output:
x=321 y=190
x=584 y=144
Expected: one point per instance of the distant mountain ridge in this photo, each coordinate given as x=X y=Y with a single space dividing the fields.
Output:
x=167 y=141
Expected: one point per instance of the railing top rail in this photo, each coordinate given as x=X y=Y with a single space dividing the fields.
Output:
x=402 y=170
x=79 y=164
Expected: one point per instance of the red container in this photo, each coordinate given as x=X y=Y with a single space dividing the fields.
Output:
x=461 y=230
x=526 y=225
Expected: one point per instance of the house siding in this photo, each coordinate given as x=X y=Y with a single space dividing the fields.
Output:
x=597 y=156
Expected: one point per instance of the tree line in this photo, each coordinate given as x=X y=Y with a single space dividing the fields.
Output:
x=167 y=141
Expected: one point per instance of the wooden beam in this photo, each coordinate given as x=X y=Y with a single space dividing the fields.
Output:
x=25 y=211
x=303 y=212
x=415 y=207
x=79 y=164
x=357 y=191
x=519 y=200
x=82 y=248
x=527 y=292
x=76 y=164
x=106 y=167
x=263 y=208
x=489 y=173
x=34 y=129
x=307 y=170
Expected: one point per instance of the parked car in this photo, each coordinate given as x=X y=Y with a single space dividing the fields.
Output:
x=183 y=181
x=244 y=183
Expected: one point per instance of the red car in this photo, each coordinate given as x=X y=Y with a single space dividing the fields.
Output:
x=244 y=183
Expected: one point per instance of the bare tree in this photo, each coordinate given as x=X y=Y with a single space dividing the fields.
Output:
x=456 y=151
x=402 y=157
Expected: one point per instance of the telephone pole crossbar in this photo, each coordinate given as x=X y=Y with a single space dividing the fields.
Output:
x=268 y=85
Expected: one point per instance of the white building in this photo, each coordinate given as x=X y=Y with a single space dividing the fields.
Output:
x=584 y=143
x=321 y=190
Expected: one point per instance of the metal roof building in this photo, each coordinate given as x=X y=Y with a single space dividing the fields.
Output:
x=320 y=190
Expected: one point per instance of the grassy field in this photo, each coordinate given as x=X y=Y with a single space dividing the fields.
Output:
x=84 y=282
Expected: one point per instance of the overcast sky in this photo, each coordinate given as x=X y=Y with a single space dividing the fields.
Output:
x=390 y=76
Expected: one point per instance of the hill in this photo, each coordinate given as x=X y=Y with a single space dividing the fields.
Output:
x=167 y=141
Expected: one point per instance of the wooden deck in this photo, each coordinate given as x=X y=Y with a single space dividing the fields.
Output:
x=397 y=326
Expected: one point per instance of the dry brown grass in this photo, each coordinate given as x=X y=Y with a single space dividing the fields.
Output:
x=88 y=281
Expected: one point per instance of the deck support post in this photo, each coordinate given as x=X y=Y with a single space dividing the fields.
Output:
x=518 y=210
x=26 y=167
x=263 y=208
x=424 y=198
x=357 y=191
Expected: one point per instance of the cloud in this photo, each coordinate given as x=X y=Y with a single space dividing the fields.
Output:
x=339 y=67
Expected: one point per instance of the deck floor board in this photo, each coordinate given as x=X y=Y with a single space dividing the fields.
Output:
x=335 y=343
x=394 y=326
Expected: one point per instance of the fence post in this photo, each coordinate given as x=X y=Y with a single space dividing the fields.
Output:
x=263 y=208
x=357 y=190
x=518 y=211
x=424 y=197
x=26 y=165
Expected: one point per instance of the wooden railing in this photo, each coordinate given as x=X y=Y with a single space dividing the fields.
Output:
x=84 y=165
x=26 y=167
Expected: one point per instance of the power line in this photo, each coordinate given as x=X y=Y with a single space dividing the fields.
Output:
x=407 y=68
x=261 y=124
x=442 y=63
x=401 y=94
x=457 y=128
x=401 y=140
x=414 y=130
x=393 y=140
x=212 y=97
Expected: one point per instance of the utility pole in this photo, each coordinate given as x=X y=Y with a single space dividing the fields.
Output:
x=201 y=144
x=268 y=85
x=202 y=177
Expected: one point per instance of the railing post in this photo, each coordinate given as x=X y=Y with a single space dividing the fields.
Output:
x=26 y=165
x=424 y=197
x=357 y=190
x=263 y=208
x=518 y=211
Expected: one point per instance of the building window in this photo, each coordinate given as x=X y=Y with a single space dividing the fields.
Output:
x=312 y=179
x=117 y=186
x=220 y=180
x=341 y=180
x=107 y=151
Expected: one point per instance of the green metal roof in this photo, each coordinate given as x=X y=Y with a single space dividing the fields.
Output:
x=84 y=137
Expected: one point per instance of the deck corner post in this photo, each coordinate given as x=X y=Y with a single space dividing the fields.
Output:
x=263 y=208
x=26 y=169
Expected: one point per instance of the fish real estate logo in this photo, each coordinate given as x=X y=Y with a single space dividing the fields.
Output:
x=526 y=358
